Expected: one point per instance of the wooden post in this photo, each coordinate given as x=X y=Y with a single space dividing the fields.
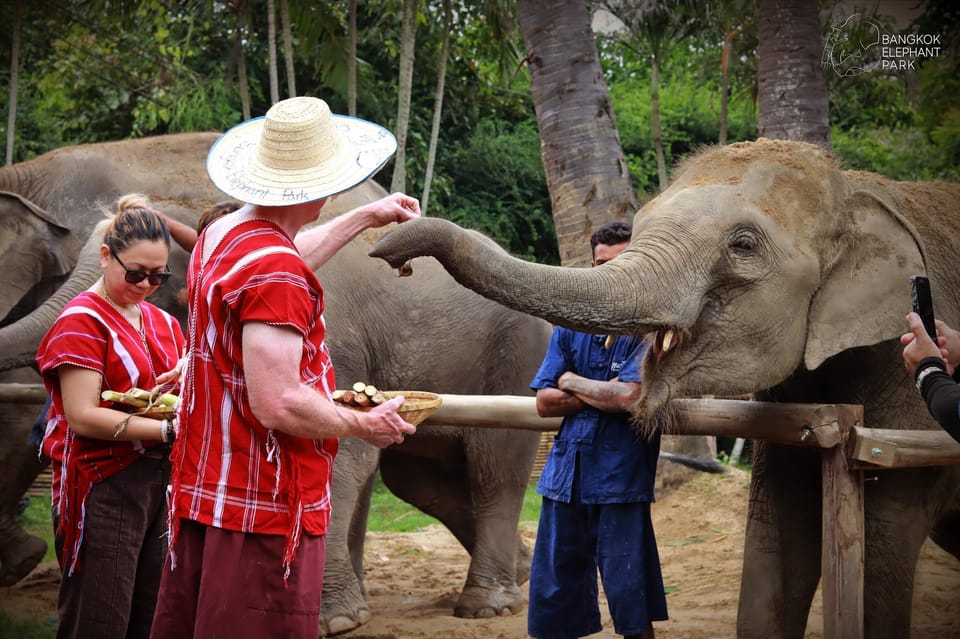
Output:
x=842 y=538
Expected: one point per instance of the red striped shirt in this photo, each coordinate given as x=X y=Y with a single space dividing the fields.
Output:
x=91 y=334
x=229 y=471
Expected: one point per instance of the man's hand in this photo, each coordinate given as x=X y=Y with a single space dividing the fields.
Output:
x=553 y=402
x=611 y=396
x=918 y=345
x=386 y=426
x=319 y=243
x=396 y=207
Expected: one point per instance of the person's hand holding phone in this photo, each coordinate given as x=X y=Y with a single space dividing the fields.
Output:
x=918 y=345
x=922 y=341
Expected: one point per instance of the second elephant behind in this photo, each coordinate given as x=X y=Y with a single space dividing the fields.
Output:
x=427 y=332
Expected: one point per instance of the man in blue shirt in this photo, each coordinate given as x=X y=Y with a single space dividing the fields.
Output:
x=597 y=485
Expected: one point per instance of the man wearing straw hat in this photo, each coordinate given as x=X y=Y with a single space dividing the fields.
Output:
x=253 y=461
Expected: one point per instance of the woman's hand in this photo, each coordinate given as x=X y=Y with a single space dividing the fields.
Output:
x=171 y=377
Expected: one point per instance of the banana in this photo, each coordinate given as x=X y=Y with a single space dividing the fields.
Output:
x=124 y=398
x=168 y=399
x=139 y=398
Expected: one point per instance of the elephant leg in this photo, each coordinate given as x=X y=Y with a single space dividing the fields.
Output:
x=900 y=506
x=781 y=559
x=946 y=532
x=344 y=604
x=480 y=504
x=20 y=552
x=498 y=485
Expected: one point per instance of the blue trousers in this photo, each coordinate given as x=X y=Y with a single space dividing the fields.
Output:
x=576 y=540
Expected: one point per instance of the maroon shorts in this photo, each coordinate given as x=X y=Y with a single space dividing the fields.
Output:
x=230 y=584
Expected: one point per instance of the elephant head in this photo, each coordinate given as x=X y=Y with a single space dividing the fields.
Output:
x=761 y=258
x=36 y=253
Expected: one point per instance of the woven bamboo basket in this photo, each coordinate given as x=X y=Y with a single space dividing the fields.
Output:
x=417 y=405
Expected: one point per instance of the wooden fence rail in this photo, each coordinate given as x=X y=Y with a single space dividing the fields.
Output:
x=848 y=448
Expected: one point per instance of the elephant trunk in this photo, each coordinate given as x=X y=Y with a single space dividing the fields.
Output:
x=617 y=297
x=19 y=341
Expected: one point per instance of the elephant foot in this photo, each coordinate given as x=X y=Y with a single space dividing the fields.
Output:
x=340 y=624
x=19 y=556
x=482 y=603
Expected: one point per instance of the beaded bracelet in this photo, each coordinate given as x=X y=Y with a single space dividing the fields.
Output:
x=168 y=431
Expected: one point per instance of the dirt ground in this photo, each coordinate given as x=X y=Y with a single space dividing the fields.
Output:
x=413 y=578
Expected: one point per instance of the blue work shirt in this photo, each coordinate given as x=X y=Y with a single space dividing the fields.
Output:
x=617 y=464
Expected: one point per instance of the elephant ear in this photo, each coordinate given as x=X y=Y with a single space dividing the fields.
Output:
x=34 y=248
x=864 y=295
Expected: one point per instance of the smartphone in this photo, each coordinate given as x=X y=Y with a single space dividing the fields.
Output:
x=923 y=303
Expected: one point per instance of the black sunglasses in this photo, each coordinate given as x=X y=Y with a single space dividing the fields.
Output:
x=135 y=276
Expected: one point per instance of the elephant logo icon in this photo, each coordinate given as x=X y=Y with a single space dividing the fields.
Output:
x=851 y=46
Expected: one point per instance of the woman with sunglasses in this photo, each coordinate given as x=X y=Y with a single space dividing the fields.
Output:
x=110 y=466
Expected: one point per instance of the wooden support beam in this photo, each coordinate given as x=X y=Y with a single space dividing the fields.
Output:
x=814 y=425
x=878 y=448
x=842 y=550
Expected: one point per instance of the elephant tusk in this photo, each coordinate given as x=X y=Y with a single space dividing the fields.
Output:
x=666 y=340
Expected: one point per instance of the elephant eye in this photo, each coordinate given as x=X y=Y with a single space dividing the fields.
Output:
x=744 y=242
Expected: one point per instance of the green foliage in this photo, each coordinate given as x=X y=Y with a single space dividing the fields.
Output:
x=122 y=70
x=27 y=628
x=905 y=153
x=530 y=511
x=689 y=116
x=497 y=186
x=390 y=513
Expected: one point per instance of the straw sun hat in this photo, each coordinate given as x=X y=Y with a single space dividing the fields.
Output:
x=298 y=152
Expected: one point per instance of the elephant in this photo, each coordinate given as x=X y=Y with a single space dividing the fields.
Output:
x=38 y=254
x=766 y=269
x=424 y=333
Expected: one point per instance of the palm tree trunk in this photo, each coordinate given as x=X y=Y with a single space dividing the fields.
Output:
x=241 y=62
x=437 y=106
x=725 y=85
x=585 y=168
x=408 y=39
x=352 y=62
x=790 y=84
x=288 y=47
x=657 y=127
x=14 y=82
x=272 y=50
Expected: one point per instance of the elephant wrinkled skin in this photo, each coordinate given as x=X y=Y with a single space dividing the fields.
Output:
x=766 y=269
x=421 y=333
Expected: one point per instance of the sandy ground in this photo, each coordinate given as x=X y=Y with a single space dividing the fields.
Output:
x=414 y=578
